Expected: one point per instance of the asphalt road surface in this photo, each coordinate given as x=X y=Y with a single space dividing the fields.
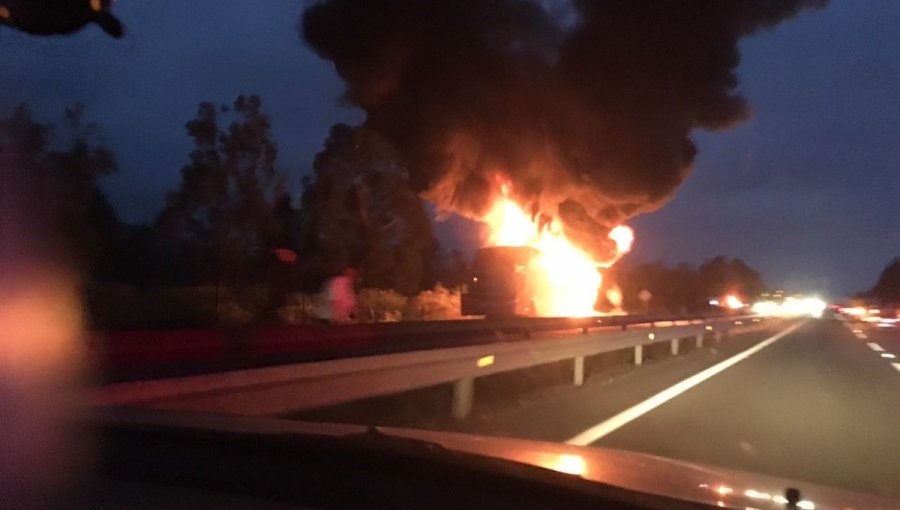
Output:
x=819 y=402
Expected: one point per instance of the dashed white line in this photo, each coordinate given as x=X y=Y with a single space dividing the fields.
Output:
x=856 y=331
x=896 y=365
x=875 y=347
x=610 y=425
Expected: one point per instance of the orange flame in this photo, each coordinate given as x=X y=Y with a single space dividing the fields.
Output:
x=733 y=302
x=624 y=238
x=566 y=280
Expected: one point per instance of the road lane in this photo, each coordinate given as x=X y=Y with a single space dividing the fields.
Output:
x=541 y=403
x=618 y=421
x=883 y=341
x=820 y=405
x=887 y=338
x=559 y=413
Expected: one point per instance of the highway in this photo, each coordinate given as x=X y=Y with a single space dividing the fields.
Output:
x=818 y=405
x=813 y=401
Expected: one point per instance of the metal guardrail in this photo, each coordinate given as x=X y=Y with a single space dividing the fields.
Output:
x=296 y=387
x=127 y=355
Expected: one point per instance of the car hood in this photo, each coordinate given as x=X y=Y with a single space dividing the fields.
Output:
x=655 y=475
x=687 y=481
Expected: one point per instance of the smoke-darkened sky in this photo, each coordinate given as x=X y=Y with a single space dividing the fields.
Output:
x=805 y=191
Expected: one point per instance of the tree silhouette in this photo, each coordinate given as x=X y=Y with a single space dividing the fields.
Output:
x=223 y=218
x=63 y=173
x=887 y=288
x=719 y=276
x=684 y=289
x=358 y=210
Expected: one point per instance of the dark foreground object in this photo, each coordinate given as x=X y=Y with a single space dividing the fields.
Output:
x=59 y=17
x=172 y=460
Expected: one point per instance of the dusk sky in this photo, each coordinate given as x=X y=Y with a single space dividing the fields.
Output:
x=806 y=191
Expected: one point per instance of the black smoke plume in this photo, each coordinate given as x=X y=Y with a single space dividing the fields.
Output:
x=588 y=114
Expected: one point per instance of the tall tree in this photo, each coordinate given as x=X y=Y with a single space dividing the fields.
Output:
x=720 y=275
x=683 y=288
x=358 y=210
x=887 y=288
x=63 y=173
x=223 y=212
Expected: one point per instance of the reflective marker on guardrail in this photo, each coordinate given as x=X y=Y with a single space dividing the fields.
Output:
x=485 y=361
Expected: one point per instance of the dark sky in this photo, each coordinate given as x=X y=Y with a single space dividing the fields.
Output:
x=807 y=191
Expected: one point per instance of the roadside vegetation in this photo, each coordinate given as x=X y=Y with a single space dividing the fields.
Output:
x=233 y=247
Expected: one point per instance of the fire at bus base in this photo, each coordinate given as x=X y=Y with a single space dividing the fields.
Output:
x=530 y=267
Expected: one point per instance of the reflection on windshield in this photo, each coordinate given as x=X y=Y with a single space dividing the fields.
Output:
x=571 y=464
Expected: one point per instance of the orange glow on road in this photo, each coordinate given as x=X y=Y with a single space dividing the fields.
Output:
x=565 y=278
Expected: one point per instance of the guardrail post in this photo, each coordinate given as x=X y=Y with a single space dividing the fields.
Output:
x=578 y=378
x=674 y=347
x=638 y=355
x=463 y=397
x=699 y=341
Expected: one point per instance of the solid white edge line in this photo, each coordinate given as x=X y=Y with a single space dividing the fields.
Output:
x=875 y=347
x=606 y=427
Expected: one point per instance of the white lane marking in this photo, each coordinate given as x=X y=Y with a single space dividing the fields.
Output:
x=897 y=366
x=605 y=427
x=887 y=355
x=856 y=332
x=875 y=347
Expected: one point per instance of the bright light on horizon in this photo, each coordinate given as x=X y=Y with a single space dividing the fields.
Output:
x=791 y=307
x=733 y=302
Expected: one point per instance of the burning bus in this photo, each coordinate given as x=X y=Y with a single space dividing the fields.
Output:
x=531 y=268
x=502 y=282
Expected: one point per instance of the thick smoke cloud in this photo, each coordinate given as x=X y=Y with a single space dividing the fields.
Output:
x=590 y=121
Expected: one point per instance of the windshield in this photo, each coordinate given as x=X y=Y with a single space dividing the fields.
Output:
x=657 y=227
